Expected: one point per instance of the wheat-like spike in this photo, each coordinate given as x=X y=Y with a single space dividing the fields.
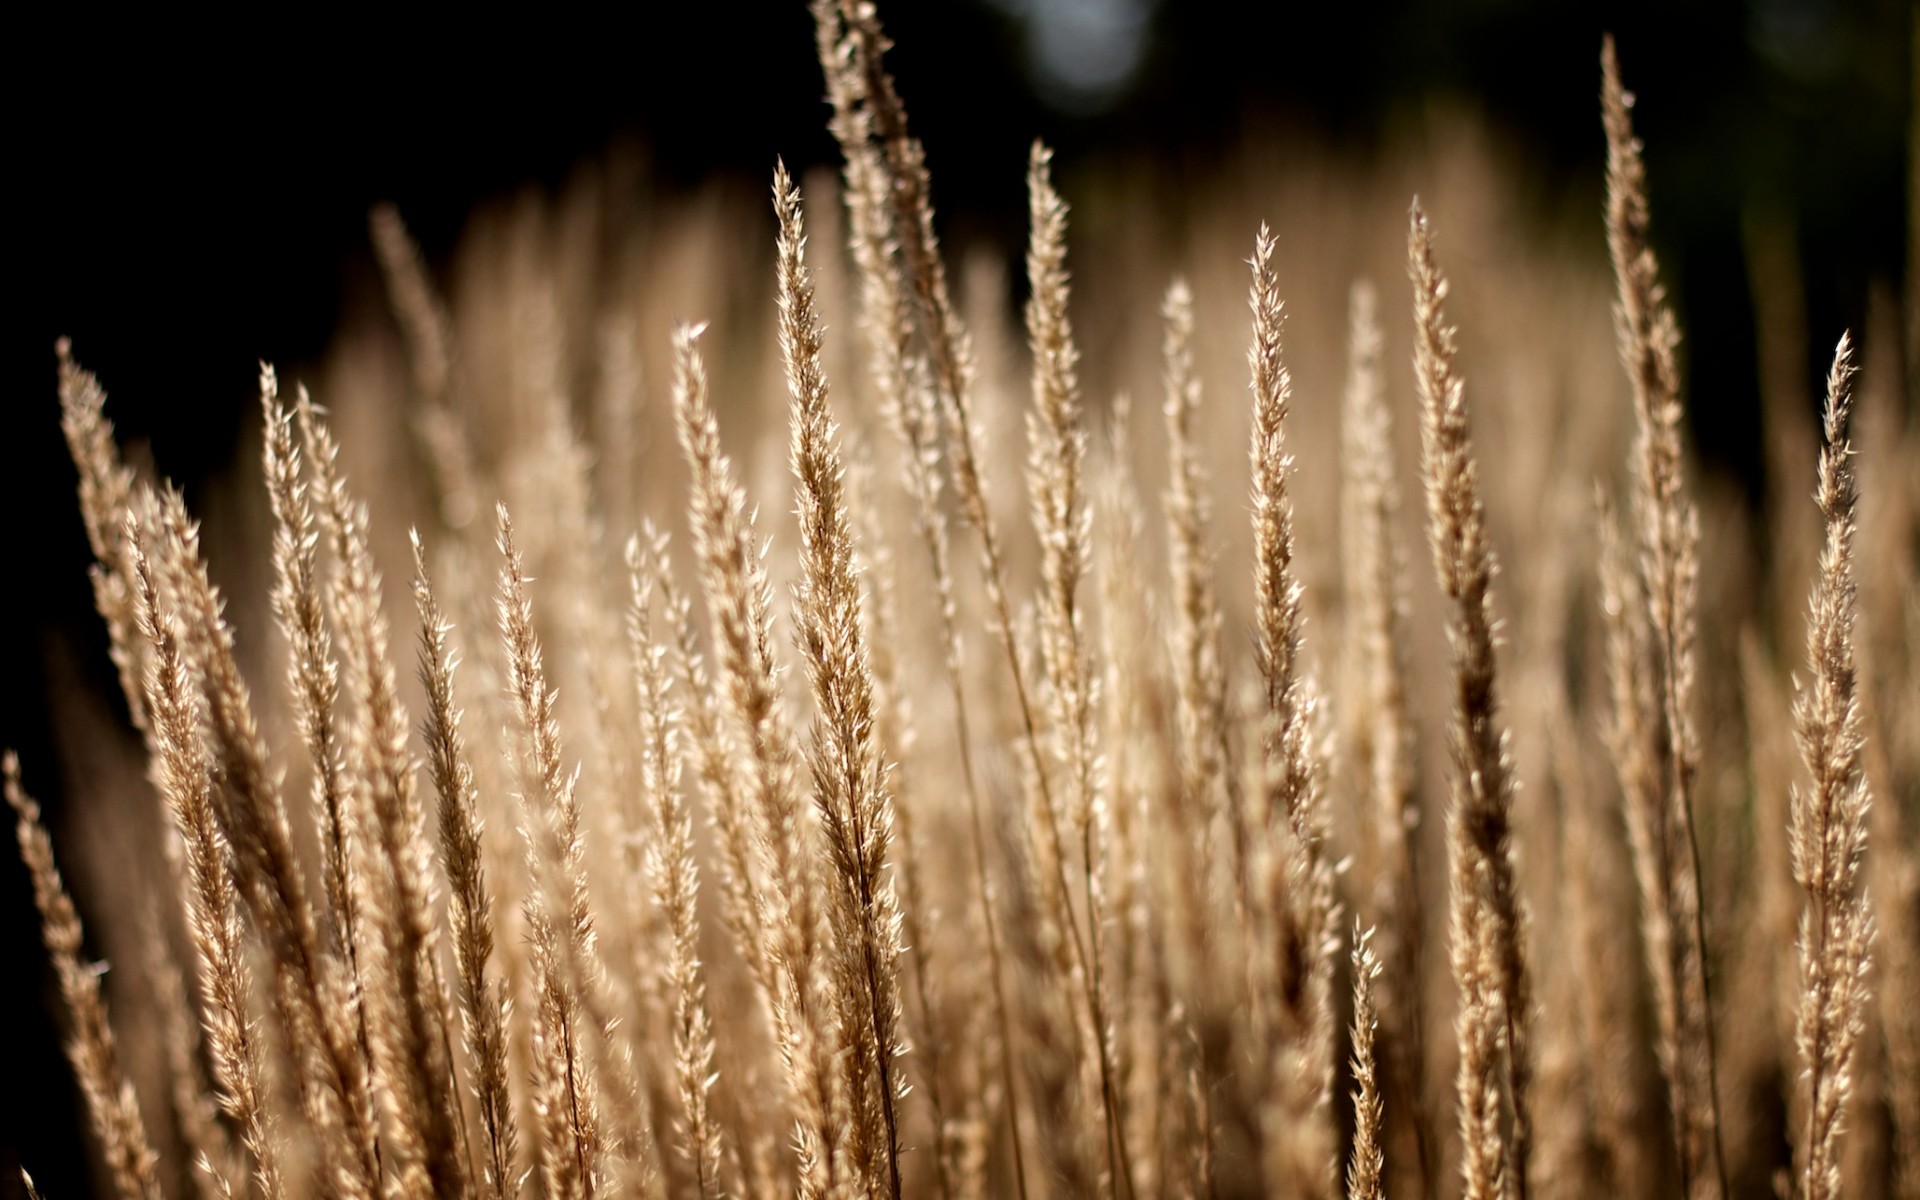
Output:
x=1666 y=847
x=672 y=865
x=852 y=45
x=1489 y=920
x=740 y=613
x=1057 y=450
x=885 y=316
x=186 y=783
x=1057 y=441
x=850 y=788
x=1293 y=896
x=1367 y=1167
x=948 y=355
x=558 y=909
x=1829 y=819
x=392 y=880
x=312 y=996
x=484 y=1003
x=849 y=792
x=1382 y=730
x=111 y=1104
x=106 y=496
x=312 y=671
x=1278 y=595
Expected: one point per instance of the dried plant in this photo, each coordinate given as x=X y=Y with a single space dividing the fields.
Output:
x=213 y=919
x=1024 y=880
x=1363 y=1175
x=849 y=778
x=90 y=1045
x=483 y=998
x=1828 y=830
x=1290 y=889
x=1489 y=933
x=1655 y=743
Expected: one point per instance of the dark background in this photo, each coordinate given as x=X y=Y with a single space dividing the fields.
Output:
x=188 y=200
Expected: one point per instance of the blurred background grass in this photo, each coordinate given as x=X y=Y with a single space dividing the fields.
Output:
x=191 y=198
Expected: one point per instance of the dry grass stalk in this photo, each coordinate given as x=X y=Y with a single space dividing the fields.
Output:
x=1489 y=924
x=106 y=496
x=740 y=614
x=391 y=880
x=1292 y=964
x=1656 y=742
x=483 y=998
x=1057 y=450
x=672 y=867
x=312 y=671
x=111 y=1105
x=213 y=918
x=892 y=167
x=1380 y=740
x=888 y=165
x=1829 y=818
x=1367 y=1161
x=558 y=909
x=624 y=1128
x=852 y=44
x=909 y=406
x=315 y=1007
x=849 y=776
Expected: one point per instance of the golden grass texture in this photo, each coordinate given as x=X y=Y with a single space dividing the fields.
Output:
x=867 y=754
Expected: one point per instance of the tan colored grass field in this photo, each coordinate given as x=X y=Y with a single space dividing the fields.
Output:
x=851 y=739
